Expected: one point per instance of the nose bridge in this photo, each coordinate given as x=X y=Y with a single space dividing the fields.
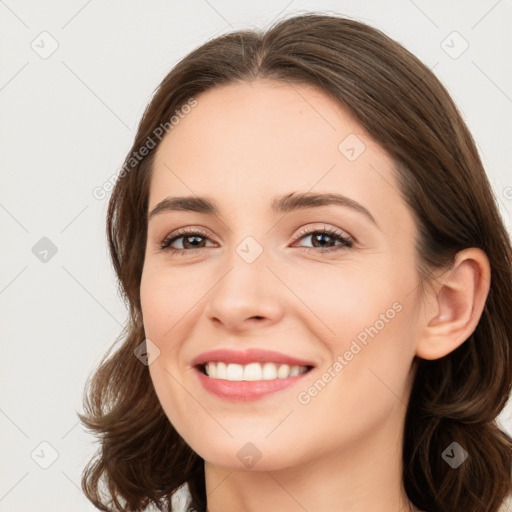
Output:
x=247 y=288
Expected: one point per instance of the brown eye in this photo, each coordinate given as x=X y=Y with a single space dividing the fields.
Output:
x=325 y=240
x=191 y=240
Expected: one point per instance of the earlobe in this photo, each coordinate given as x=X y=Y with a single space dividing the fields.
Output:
x=454 y=305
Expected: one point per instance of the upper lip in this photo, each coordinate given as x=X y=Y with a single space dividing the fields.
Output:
x=247 y=356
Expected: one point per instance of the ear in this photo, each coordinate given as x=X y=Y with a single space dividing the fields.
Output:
x=453 y=304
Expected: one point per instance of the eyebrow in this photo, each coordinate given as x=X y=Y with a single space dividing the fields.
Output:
x=279 y=204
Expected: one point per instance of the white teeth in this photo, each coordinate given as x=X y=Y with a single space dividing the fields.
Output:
x=221 y=370
x=252 y=371
x=234 y=372
x=294 y=371
x=211 y=370
x=283 y=372
x=269 y=371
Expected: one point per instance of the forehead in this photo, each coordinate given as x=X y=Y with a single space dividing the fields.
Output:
x=246 y=142
x=264 y=119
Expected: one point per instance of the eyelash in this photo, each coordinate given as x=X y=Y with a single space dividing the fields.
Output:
x=346 y=242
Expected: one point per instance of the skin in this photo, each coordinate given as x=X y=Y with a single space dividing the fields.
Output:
x=241 y=145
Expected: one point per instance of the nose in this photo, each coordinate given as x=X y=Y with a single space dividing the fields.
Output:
x=248 y=295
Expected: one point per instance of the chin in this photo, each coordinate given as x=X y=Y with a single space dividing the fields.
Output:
x=244 y=455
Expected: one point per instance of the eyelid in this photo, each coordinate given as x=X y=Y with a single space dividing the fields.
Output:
x=312 y=229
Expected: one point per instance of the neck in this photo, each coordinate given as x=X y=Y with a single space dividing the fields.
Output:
x=364 y=474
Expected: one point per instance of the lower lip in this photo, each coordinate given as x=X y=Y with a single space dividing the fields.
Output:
x=246 y=390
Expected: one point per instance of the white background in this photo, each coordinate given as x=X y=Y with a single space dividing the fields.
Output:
x=68 y=121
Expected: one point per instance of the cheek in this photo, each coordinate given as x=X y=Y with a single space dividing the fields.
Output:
x=165 y=302
x=366 y=317
x=153 y=305
x=348 y=299
x=166 y=298
x=367 y=375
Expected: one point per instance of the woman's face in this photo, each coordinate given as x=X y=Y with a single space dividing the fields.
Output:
x=260 y=275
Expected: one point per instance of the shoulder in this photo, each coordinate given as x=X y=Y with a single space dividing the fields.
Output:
x=181 y=499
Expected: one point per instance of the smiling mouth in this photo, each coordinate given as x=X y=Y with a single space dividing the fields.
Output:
x=251 y=372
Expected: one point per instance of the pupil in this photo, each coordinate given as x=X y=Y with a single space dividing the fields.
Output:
x=320 y=235
x=193 y=237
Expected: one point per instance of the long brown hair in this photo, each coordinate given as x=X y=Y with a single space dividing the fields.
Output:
x=142 y=460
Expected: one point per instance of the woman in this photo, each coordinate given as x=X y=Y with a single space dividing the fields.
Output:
x=319 y=287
